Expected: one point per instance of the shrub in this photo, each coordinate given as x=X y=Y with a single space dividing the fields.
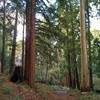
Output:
x=1 y=81
x=18 y=97
x=7 y=90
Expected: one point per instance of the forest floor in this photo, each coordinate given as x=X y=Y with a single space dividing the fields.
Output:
x=57 y=93
x=64 y=93
x=61 y=95
x=11 y=91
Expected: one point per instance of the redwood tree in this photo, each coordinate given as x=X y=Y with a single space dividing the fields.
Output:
x=3 y=40
x=30 y=42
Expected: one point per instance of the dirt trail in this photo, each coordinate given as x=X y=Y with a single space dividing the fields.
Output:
x=61 y=95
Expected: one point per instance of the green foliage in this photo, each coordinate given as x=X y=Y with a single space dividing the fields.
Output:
x=56 y=29
x=58 y=87
x=43 y=90
x=96 y=82
x=18 y=97
x=59 y=29
x=92 y=96
x=1 y=81
x=23 y=85
x=7 y=90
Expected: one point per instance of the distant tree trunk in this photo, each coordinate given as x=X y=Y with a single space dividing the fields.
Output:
x=3 y=40
x=73 y=64
x=76 y=82
x=89 y=42
x=68 y=59
x=13 y=53
x=30 y=43
x=75 y=75
x=46 y=73
x=23 y=49
x=42 y=64
x=85 y=80
x=70 y=62
x=77 y=78
x=69 y=70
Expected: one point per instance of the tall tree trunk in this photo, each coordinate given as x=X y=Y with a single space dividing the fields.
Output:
x=3 y=40
x=89 y=41
x=23 y=49
x=30 y=43
x=85 y=80
x=13 y=53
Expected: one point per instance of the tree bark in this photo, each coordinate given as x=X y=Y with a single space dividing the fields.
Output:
x=30 y=43
x=3 y=41
x=85 y=80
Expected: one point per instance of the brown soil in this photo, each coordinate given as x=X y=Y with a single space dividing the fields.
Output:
x=25 y=93
x=29 y=94
x=61 y=95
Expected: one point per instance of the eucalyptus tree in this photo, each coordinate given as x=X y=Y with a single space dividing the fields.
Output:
x=85 y=80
